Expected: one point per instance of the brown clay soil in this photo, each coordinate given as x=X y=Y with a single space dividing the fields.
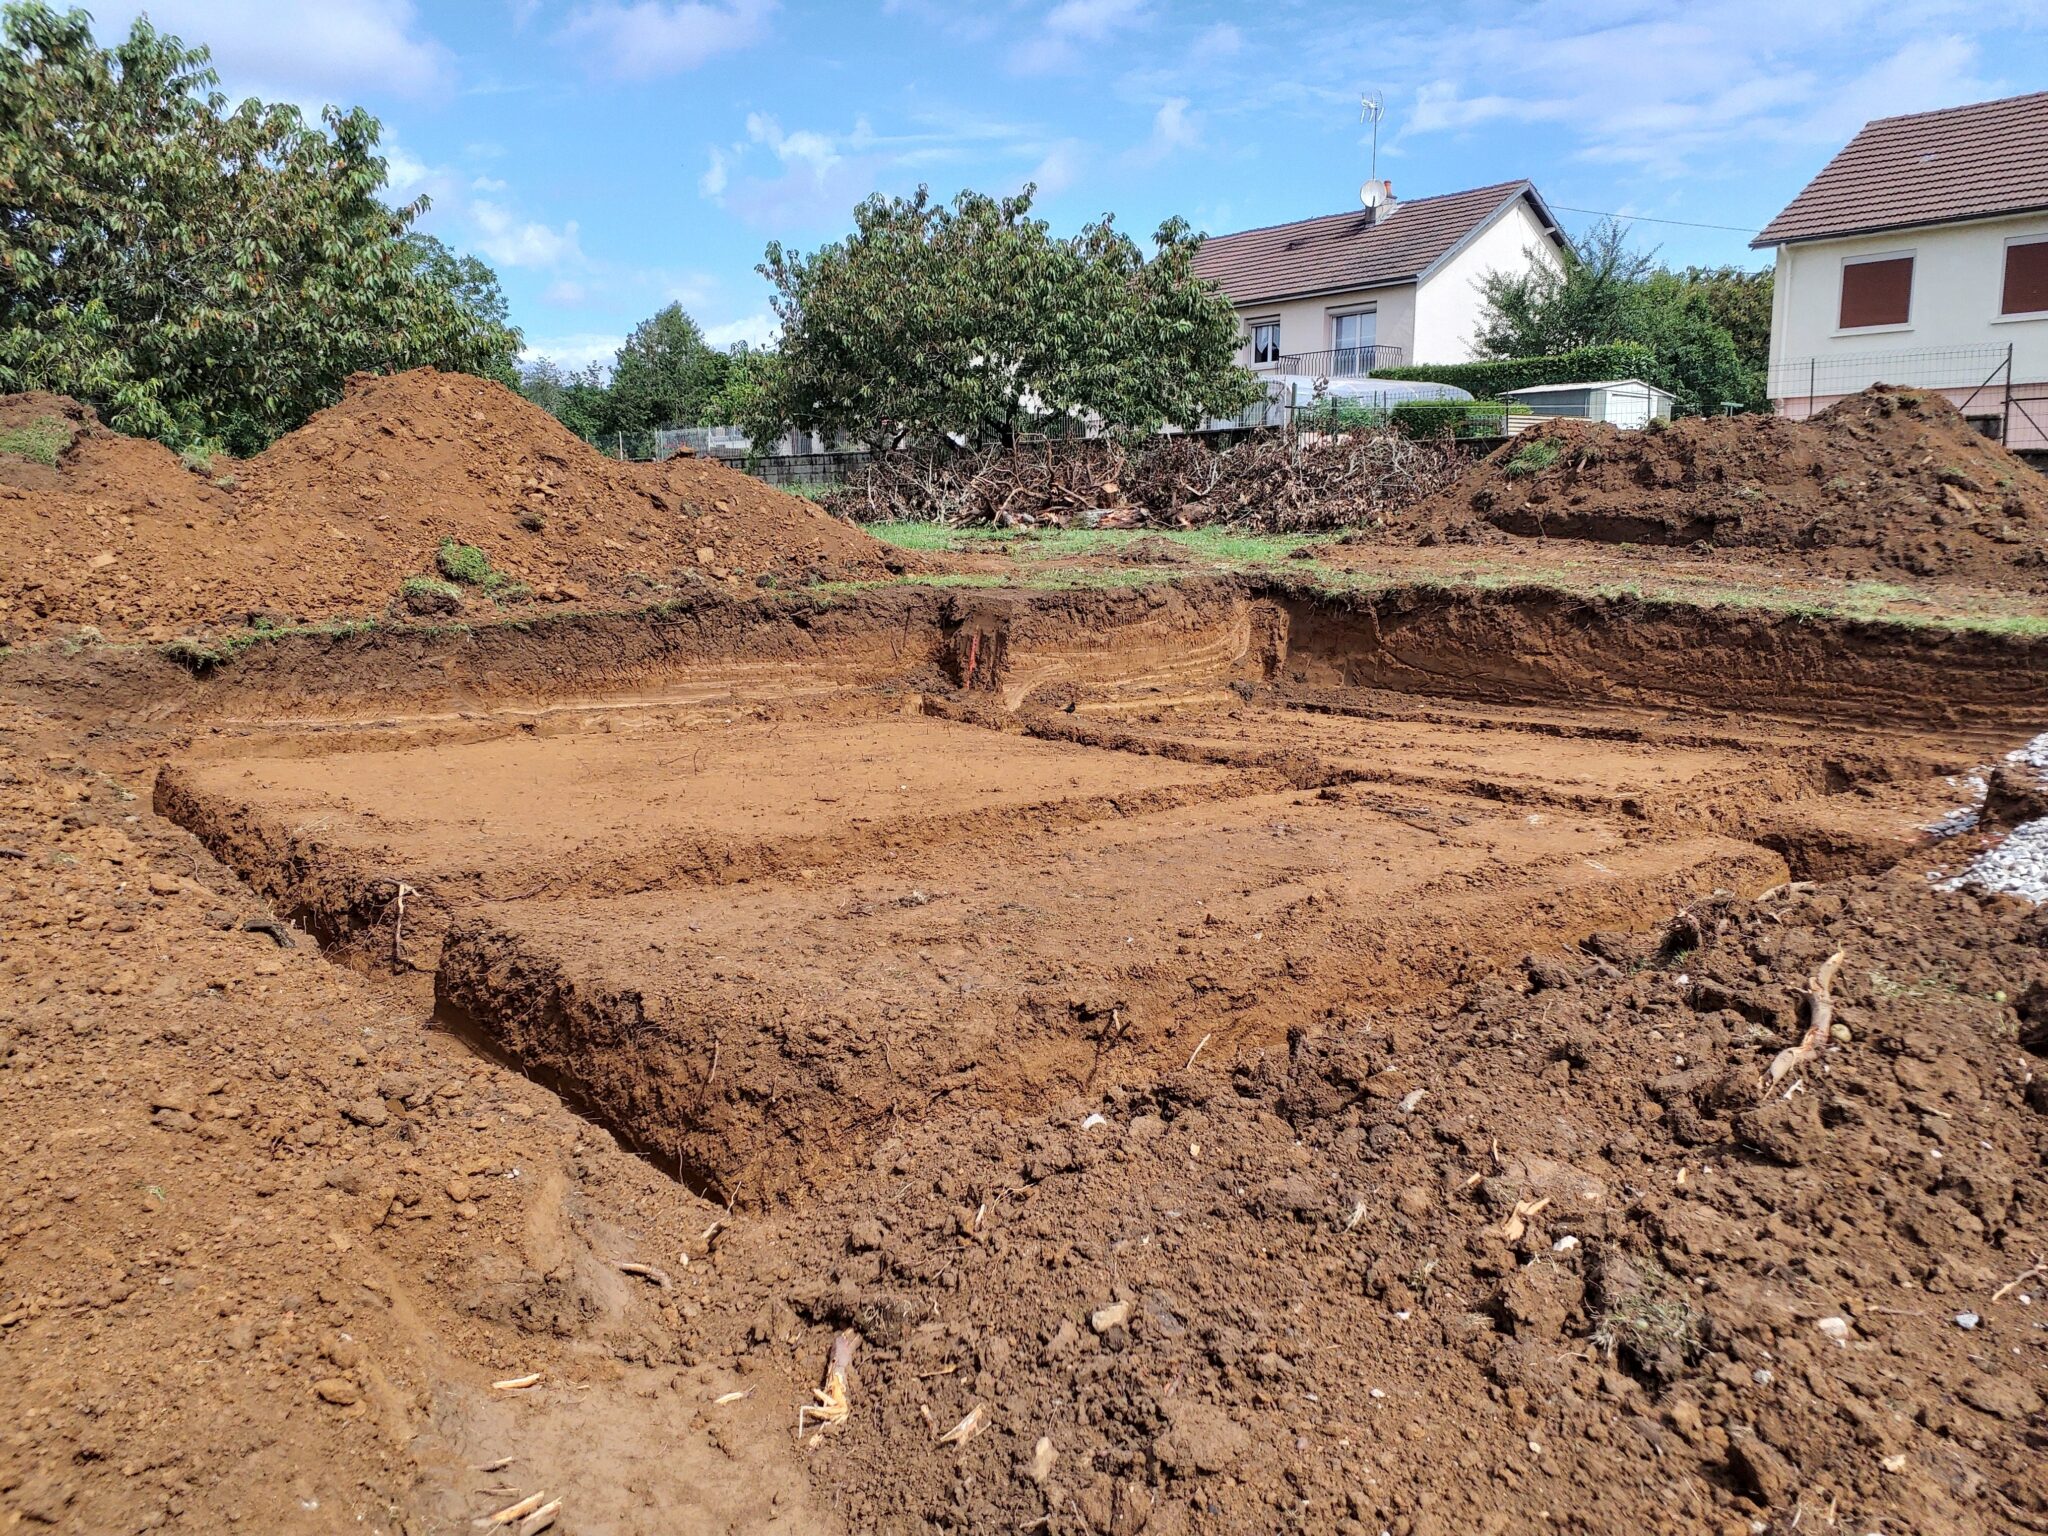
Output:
x=1886 y=483
x=330 y=520
x=1221 y=1058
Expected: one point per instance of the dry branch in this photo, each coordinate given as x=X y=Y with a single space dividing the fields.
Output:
x=1270 y=482
x=1820 y=1012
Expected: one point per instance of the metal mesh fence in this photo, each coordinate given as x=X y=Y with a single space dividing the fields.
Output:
x=1844 y=373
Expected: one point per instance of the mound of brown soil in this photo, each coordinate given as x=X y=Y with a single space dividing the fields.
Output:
x=331 y=519
x=1886 y=481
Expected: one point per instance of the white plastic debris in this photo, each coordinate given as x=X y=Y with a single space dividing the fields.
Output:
x=1836 y=1328
x=1094 y=1120
x=1967 y=1319
x=1564 y=1244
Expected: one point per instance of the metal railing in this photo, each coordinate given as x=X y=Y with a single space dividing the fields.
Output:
x=1342 y=362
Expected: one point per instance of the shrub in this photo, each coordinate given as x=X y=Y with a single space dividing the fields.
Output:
x=1533 y=456
x=41 y=440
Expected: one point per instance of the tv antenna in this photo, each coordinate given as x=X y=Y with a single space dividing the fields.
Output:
x=1371 y=108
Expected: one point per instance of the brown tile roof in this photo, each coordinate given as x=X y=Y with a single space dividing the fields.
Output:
x=1926 y=168
x=1342 y=251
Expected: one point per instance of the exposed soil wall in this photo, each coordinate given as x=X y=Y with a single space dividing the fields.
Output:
x=1534 y=644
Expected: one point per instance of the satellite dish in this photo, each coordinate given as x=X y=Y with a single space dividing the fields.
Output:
x=1373 y=193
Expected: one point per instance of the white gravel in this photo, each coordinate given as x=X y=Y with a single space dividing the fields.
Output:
x=2019 y=864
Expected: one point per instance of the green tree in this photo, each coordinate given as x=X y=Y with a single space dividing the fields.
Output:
x=201 y=272
x=666 y=374
x=1709 y=328
x=579 y=398
x=1740 y=303
x=748 y=397
x=472 y=283
x=970 y=320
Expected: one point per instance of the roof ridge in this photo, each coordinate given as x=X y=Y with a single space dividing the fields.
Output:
x=1399 y=205
x=1967 y=106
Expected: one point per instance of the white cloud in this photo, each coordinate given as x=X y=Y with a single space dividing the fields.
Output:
x=574 y=351
x=488 y=184
x=1802 y=79
x=1071 y=30
x=1092 y=20
x=649 y=38
x=1174 y=127
x=514 y=242
x=405 y=174
x=1221 y=41
x=756 y=330
x=564 y=293
x=333 y=51
x=712 y=183
x=1059 y=169
x=804 y=147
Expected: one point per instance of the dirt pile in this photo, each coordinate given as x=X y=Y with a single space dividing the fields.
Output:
x=1552 y=1248
x=1887 y=481
x=332 y=519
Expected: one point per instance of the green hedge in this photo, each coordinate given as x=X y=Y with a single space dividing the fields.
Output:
x=1450 y=418
x=1586 y=365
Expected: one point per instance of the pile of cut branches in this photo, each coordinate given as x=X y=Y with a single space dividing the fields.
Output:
x=1269 y=483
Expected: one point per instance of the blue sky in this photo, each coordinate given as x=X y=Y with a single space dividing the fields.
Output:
x=609 y=156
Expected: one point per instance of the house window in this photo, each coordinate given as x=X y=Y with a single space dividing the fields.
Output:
x=1878 y=292
x=1265 y=342
x=1351 y=338
x=2026 y=278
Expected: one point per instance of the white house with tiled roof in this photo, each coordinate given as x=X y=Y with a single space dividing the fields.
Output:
x=1919 y=256
x=1397 y=283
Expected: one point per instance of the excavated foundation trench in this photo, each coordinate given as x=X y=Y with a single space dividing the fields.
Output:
x=756 y=886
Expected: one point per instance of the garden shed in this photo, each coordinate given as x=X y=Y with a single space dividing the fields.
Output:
x=1623 y=402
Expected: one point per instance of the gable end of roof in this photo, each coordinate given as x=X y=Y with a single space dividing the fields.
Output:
x=1342 y=252
x=1980 y=161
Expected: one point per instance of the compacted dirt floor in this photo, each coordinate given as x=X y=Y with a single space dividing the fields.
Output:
x=1205 y=1059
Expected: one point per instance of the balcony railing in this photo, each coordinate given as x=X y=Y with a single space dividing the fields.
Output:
x=1341 y=362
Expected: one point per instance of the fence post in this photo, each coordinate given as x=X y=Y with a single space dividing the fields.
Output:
x=1811 y=364
x=2005 y=416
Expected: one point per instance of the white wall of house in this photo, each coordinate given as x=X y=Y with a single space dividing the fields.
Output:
x=1308 y=325
x=1958 y=276
x=1450 y=303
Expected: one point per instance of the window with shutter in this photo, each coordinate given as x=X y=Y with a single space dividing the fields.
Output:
x=1877 y=292
x=2026 y=278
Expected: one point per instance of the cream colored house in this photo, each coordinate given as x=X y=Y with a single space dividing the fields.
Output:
x=1400 y=283
x=1919 y=256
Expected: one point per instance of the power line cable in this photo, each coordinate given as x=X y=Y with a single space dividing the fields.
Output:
x=1644 y=218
